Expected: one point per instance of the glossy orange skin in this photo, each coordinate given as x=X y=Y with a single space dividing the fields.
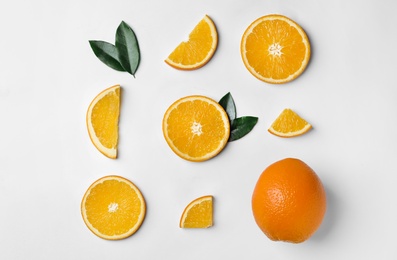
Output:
x=289 y=201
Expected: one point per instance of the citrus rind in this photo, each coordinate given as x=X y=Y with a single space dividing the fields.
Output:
x=290 y=134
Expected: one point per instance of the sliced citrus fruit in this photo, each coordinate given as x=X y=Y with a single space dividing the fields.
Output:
x=289 y=124
x=196 y=128
x=198 y=213
x=198 y=50
x=275 y=49
x=102 y=121
x=113 y=208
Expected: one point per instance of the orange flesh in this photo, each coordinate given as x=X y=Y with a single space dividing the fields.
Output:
x=103 y=119
x=289 y=121
x=196 y=49
x=119 y=199
x=199 y=215
x=275 y=33
x=184 y=117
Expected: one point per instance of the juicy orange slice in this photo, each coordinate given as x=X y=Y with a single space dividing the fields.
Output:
x=275 y=49
x=102 y=121
x=196 y=128
x=113 y=208
x=289 y=124
x=198 y=213
x=198 y=50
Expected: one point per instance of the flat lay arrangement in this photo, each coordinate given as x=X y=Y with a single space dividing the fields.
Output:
x=198 y=129
x=274 y=49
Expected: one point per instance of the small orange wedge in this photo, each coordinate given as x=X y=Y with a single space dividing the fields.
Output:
x=289 y=124
x=102 y=121
x=113 y=208
x=275 y=49
x=198 y=50
x=198 y=213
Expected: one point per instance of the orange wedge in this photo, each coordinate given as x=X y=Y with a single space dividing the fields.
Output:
x=102 y=121
x=113 y=208
x=198 y=213
x=289 y=124
x=198 y=50
x=196 y=128
x=275 y=49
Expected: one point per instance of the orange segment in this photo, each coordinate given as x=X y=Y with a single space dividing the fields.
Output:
x=275 y=49
x=196 y=128
x=113 y=208
x=289 y=124
x=198 y=50
x=198 y=213
x=102 y=121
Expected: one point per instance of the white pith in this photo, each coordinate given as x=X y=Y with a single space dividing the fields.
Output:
x=275 y=49
x=197 y=129
x=112 y=207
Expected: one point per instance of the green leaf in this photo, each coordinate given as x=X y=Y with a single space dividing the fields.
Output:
x=241 y=126
x=107 y=53
x=127 y=46
x=227 y=103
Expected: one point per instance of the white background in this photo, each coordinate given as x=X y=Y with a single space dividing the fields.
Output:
x=49 y=75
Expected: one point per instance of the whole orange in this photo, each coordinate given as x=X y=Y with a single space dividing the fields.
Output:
x=289 y=201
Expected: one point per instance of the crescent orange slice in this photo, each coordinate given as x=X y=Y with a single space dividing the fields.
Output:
x=102 y=121
x=198 y=50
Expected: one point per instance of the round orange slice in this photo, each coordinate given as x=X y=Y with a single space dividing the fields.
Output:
x=113 y=208
x=198 y=50
x=275 y=49
x=196 y=128
x=102 y=121
x=289 y=124
x=198 y=213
